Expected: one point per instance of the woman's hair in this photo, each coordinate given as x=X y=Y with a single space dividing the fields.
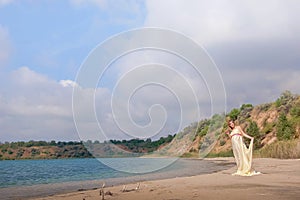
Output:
x=230 y=120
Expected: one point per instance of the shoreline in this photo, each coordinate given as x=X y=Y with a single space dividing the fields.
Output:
x=180 y=168
x=280 y=179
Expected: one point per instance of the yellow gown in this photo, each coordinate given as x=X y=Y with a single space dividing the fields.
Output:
x=242 y=154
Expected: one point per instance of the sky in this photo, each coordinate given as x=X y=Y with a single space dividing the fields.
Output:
x=254 y=45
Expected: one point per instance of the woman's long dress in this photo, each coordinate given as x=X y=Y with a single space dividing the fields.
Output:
x=242 y=154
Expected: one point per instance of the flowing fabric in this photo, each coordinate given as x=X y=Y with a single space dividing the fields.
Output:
x=242 y=155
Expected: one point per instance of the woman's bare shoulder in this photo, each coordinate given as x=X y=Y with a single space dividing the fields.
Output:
x=239 y=128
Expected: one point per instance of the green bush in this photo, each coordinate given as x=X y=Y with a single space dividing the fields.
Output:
x=247 y=106
x=222 y=142
x=20 y=153
x=35 y=152
x=268 y=128
x=284 y=98
x=284 y=128
x=204 y=131
x=253 y=131
x=4 y=150
x=216 y=122
x=295 y=111
x=234 y=113
x=265 y=107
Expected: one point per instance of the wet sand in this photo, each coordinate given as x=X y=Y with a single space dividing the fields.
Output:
x=280 y=179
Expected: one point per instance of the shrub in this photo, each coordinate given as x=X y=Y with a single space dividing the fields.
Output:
x=216 y=122
x=284 y=128
x=222 y=142
x=3 y=150
x=268 y=128
x=295 y=111
x=247 y=106
x=265 y=107
x=20 y=153
x=284 y=98
x=234 y=113
x=204 y=131
x=35 y=152
x=253 y=130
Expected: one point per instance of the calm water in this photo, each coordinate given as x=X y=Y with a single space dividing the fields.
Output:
x=30 y=172
x=47 y=177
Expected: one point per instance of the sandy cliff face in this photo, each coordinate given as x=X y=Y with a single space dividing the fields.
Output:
x=266 y=117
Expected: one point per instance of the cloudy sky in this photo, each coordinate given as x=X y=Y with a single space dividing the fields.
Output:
x=254 y=44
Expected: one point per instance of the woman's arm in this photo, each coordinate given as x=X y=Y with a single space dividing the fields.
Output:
x=244 y=134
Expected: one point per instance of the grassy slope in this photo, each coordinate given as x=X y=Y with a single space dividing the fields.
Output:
x=266 y=118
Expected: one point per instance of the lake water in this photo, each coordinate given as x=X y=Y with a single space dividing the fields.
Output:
x=18 y=178
x=31 y=172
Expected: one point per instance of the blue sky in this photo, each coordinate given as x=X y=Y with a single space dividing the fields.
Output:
x=255 y=45
x=54 y=37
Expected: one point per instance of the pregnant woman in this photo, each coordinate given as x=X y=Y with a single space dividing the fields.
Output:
x=242 y=154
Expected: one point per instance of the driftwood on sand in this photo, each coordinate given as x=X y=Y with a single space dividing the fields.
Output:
x=101 y=192
x=130 y=190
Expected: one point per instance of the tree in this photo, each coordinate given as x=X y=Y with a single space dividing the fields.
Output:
x=253 y=130
x=52 y=143
x=148 y=140
x=234 y=113
x=247 y=106
x=29 y=144
x=295 y=111
x=284 y=128
x=285 y=98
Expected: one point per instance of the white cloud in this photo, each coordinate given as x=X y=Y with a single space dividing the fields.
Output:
x=68 y=83
x=211 y=22
x=136 y=105
x=33 y=106
x=5 y=45
x=258 y=86
x=221 y=27
x=25 y=76
x=249 y=40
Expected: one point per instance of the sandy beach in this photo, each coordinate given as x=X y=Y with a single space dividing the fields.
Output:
x=280 y=179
